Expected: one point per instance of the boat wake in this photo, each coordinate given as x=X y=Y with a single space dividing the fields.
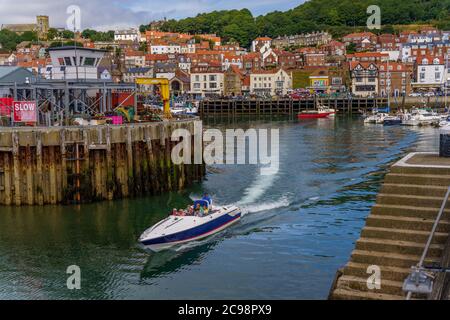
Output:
x=283 y=202
x=257 y=189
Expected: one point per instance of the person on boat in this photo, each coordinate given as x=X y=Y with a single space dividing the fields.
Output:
x=205 y=210
x=174 y=212
x=181 y=213
x=201 y=212
x=190 y=210
x=207 y=198
x=197 y=209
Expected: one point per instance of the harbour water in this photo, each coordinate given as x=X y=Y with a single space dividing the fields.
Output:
x=300 y=226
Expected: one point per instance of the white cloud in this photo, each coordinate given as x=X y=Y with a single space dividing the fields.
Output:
x=106 y=14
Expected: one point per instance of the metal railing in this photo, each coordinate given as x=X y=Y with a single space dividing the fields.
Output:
x=421 y=279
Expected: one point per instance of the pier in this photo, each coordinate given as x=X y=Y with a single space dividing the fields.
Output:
x=53 y=165
x=398 y=229
x=290 y=107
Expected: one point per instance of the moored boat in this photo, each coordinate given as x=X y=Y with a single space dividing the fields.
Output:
x=313 y=114
x=392 y=121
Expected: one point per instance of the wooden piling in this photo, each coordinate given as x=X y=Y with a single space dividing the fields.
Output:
x=65 y=164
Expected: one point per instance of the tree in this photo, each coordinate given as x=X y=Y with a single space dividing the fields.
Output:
x=52 y=34
x=351 y=48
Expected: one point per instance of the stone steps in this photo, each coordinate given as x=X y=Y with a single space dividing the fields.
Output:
x=407 y=200
x=387 y=272
x=388 y=259
x=414 y=190
x=360 y=284
x=408 y=211
x=406 y=223
x=345 y=294
x=418 y=179
x=396 y=246
x=403 y=235
x=416 y=170
x=396 y=232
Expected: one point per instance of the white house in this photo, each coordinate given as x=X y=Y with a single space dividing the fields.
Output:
x=231 y=59
x=74 y=63
x=431 y=72
x=261 y=44
x=165 y=48
x=273 y=82
x=104 y=74
x=207 y=83
x=124 y=35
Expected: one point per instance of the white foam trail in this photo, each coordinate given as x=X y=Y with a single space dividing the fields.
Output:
x=283 y=202
x=257 y=189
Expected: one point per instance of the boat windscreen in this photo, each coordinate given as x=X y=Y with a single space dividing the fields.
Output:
x=202 y=203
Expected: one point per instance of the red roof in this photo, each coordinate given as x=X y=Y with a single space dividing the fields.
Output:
x=365 y=65
x=263 y=39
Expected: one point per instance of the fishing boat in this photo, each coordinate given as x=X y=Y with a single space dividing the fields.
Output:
x=180 y=229
x=313 y=114
x=332 y=112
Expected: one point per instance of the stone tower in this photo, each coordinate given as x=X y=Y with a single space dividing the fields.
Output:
x=43 y=27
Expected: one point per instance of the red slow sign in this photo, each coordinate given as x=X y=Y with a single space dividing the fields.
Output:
x=24 y=111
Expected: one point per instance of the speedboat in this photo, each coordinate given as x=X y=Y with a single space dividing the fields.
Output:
x=180 y=229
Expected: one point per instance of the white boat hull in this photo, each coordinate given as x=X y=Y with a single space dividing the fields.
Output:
x=175 y=230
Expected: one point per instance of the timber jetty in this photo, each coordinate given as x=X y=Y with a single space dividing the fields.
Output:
x=398 y=229
x=52 y=165
x=291 y=107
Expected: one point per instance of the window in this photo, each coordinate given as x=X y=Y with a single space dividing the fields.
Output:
x=213 y=85
x=89 y=61
x=212 y=78
x=197 y=85
x=61 y=61
x=437 y=75
x=197 y=78
x=67 y=61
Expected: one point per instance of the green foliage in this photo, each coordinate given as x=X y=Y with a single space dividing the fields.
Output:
x=336 y=16
x=52 y=34
x=9 y=40
x=97 y=35
x=351 y=48
x=67 y=34
x=66 y=43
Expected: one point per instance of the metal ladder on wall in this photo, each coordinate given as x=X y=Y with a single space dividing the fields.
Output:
x=421 y=279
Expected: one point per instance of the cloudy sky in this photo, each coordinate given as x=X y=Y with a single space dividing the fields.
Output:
x=112 y=14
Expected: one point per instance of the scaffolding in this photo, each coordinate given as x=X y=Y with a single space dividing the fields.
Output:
x=60 y=101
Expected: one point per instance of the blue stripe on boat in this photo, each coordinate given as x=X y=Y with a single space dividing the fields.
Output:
x=193 y=232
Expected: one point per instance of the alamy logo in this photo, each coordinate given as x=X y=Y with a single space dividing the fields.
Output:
x=374 y=281
x=74 y=280
x=234 y=146
x=73 y=22
x=374 y=21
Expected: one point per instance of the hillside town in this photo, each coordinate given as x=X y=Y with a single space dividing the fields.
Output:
x=363 y=64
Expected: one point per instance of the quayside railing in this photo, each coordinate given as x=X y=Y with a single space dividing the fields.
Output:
x=421 y=279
